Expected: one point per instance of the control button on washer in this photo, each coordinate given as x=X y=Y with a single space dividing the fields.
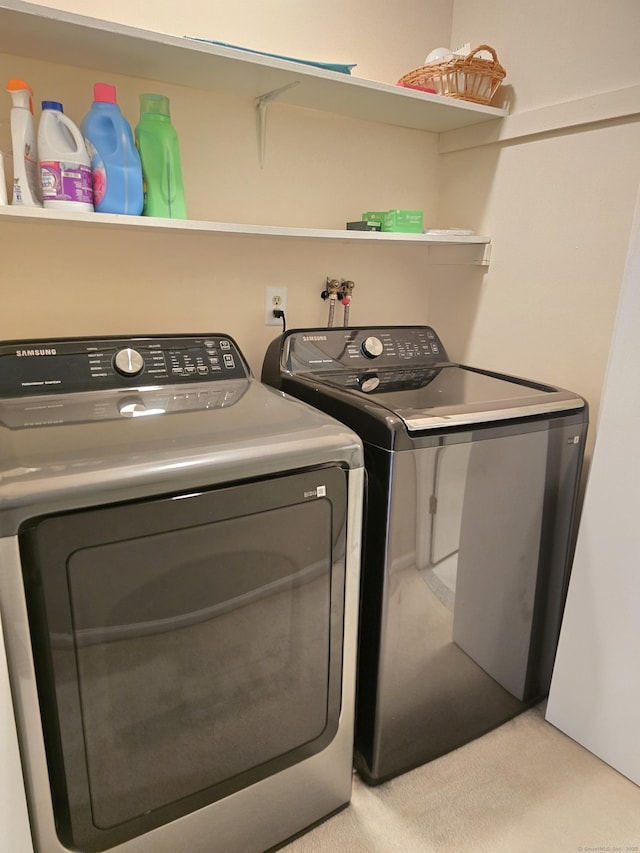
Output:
x=128 y=362
x=372 y=347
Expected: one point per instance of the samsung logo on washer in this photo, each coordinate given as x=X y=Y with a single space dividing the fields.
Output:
x=314 y=337
x=24 y=352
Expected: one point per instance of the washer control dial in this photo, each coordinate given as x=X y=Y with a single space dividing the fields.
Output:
x=128 y=362
x=372 y=347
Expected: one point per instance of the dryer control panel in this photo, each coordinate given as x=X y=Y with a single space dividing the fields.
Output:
x=320 y=350
x=87 y=364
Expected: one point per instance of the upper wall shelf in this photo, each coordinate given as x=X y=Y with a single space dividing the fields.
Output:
x=55 y=36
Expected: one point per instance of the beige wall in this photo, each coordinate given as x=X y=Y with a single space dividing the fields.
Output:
x=557 y=204
x=555 y=50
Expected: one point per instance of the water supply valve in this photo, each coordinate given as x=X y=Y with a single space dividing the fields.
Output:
x=332 y=288
x=346 y=289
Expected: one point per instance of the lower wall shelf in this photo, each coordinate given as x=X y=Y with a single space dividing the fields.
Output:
x=38 y=216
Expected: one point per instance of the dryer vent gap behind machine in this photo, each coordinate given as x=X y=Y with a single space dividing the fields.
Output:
x=179 y=561
x=471 y=489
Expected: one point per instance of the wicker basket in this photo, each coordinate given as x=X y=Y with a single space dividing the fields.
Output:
x=465 y=77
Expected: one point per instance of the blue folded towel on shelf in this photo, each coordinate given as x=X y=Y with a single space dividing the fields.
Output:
x=328 y=66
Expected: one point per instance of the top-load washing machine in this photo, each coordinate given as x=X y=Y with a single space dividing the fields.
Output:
x=471 y=490
x=179 y=566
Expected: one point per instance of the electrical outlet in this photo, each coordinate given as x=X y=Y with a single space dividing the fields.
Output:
x=275 y=299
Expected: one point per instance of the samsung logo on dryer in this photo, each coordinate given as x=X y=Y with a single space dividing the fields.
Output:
x=28 y=352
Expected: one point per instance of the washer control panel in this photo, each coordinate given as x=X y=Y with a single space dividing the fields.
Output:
x=73 y=365
x=398 y=347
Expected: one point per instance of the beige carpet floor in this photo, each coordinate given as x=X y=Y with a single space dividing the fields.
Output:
x=523 y=788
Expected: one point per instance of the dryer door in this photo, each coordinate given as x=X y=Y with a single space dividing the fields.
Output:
x=185 y=647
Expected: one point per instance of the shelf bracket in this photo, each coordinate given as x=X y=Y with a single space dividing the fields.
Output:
x=261 y=115
x=469 y=254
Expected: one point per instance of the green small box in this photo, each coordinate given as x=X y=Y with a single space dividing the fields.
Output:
x=375 y=215
x=406 y=221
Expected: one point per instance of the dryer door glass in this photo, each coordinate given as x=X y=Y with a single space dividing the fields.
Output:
x=189 y=646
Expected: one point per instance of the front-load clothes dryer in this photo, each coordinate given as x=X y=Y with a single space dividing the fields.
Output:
x=471 y=490
x=179 y=567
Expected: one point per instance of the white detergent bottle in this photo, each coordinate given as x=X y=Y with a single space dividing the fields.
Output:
x=3 y=185
x=65 y=165
x=26 y=183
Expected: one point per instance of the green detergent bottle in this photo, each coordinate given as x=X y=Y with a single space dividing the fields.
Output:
x=157 y=142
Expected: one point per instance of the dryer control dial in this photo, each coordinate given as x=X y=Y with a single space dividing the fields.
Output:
x=372 y=347
x=128 y=362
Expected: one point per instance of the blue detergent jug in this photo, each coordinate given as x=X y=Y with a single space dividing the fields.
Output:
x=115 y=162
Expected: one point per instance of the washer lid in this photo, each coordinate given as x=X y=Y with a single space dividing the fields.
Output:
x=451 y=395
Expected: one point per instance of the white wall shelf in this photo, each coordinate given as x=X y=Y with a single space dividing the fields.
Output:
x=35 y=215
x=52 y=35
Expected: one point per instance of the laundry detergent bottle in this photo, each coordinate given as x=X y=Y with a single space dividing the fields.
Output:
x=157 y=142
x=115 y=162
x=3 y=185
x=26 y=180
x=65 y=165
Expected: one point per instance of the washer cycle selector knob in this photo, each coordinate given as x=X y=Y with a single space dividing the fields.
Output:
x=372 y=347
x=128 y=362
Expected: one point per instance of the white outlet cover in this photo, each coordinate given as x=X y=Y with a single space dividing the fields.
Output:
x=274 y=298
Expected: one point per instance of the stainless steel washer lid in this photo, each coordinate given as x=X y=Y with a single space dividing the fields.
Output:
x=401 y=377
x=453 y=395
